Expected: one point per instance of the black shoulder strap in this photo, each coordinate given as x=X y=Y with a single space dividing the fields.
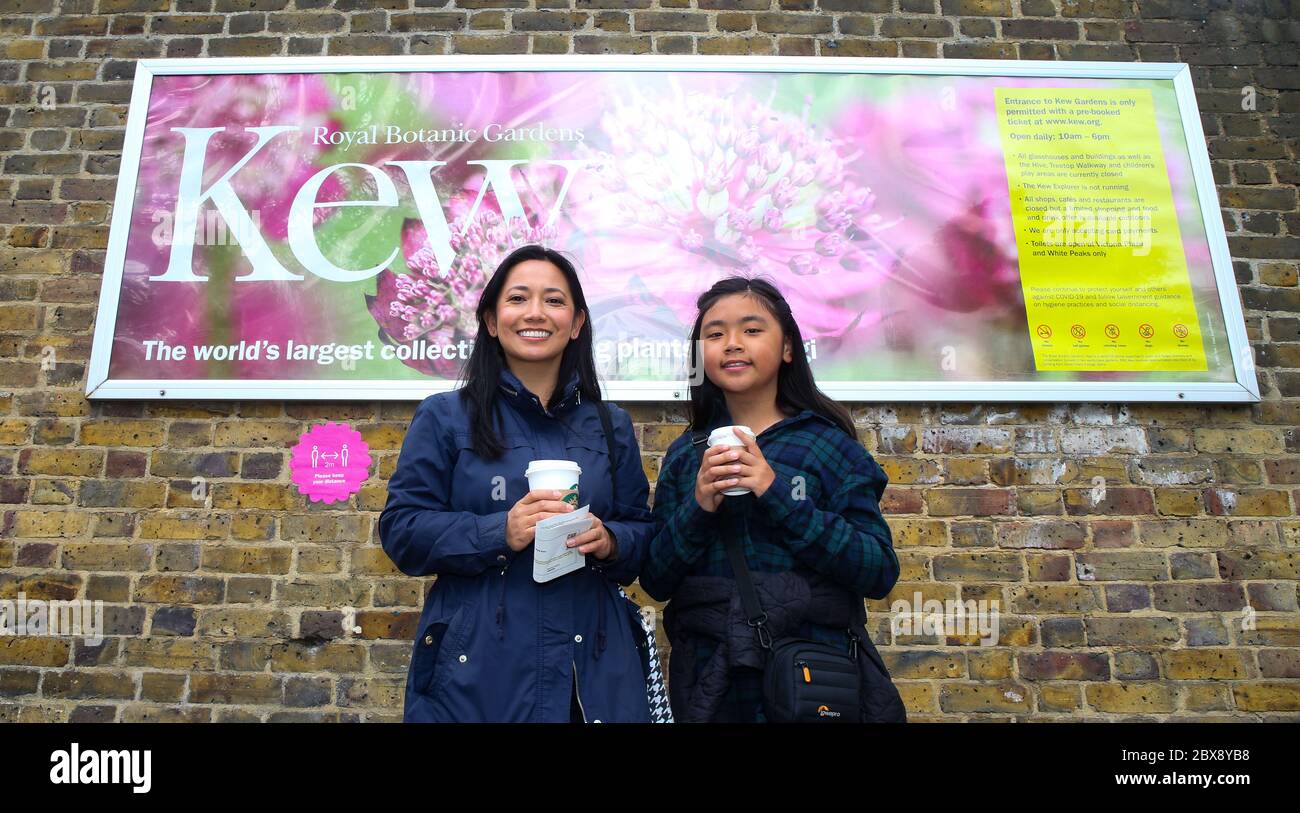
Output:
x=607 y=426
x=748 y=595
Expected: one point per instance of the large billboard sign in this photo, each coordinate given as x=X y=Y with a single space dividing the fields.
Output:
x=945 y=230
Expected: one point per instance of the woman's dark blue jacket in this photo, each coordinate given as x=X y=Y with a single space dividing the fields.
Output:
x=493 y=644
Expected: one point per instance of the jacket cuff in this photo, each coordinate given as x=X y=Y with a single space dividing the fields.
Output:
x=778 y=501
x=491 y=538
x=604 y=564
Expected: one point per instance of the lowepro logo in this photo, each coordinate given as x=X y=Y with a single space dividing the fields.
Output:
x=77 y=767
x=825 y=711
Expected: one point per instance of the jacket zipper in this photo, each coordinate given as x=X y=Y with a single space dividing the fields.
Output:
x=501 y=603
x=538 y=401
x=577 y=691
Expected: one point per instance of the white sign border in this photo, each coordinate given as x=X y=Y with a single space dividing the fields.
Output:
x=1244 y=389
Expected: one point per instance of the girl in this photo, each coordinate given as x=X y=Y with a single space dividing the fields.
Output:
x=810 y=529
x=493 y=644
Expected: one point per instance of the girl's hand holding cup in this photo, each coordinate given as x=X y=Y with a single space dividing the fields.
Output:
x=733 y=466
x=713 y=477
x=754 y=472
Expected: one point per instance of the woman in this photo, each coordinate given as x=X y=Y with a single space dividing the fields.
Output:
x=492 y=643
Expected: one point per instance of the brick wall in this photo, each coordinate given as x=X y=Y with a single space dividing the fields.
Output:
x=231 y=605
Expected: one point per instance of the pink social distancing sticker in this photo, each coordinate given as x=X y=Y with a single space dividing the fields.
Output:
x=330 y=462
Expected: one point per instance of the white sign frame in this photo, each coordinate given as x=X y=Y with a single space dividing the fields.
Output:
x=1245 y=389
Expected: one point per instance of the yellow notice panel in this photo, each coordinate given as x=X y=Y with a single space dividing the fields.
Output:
x=1101 y=258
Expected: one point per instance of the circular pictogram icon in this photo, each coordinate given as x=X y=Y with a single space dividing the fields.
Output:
x=1077 y=331
x=1180 y=330
x=1112 y=331
x=1044 y=332
x=1146 y=331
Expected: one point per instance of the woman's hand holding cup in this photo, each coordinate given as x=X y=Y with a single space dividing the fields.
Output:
x=522 y=519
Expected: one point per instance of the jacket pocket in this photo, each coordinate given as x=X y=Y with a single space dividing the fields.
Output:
x=475 y=481
x=426 y=660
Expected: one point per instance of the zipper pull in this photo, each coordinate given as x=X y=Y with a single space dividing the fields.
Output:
x=807 y=673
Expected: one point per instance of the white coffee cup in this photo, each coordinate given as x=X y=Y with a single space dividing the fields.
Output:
x=726 y=436
x=555 y=475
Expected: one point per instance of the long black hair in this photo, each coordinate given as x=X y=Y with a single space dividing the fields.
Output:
x=482 y=371
x=795 y=388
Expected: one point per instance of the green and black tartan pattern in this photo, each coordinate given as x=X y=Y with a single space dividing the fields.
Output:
x=821 y=514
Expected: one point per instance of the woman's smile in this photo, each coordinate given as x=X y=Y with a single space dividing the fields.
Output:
x=534 y=319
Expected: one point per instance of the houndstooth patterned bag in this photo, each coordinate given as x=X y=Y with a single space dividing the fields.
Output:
x=655 y=687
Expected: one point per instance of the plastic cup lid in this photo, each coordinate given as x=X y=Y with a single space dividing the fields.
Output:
x=726 y=432
x=538 y=466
